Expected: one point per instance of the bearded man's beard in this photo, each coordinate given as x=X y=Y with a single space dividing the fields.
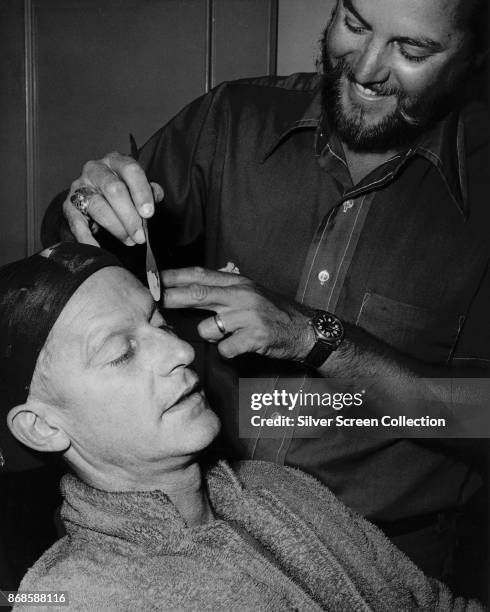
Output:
x=412 y=116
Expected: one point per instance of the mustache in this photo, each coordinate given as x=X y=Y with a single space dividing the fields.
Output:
x=343 y=69
x=334 y=73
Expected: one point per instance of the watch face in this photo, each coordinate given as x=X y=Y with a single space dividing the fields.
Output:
x=329 y=327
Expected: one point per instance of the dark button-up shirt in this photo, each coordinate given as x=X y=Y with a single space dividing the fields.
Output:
x=253 y=175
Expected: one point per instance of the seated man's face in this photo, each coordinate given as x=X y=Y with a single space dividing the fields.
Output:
x=118 y=380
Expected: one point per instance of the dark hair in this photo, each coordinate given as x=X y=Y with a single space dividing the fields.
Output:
x=33 y=293
x=476 y=14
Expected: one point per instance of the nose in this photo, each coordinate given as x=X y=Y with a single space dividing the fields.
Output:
x=372 y=64
x=170 y=352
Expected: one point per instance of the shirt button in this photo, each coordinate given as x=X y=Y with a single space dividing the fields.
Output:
x=323 y=276
x=348 y=204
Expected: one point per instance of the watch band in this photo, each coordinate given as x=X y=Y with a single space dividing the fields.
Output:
x=329 y=333
x=318 y=355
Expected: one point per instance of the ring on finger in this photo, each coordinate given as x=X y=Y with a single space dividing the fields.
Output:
x=219 y=324
x=81 y=198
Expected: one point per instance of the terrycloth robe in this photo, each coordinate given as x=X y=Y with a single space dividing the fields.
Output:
x=281 y=541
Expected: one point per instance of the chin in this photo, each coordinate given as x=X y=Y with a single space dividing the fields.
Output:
x=201 y=432
x=211 y=425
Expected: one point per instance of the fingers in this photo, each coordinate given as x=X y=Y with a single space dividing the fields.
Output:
x=231 y=320
x=208 y=330
x=238 y=343
x=135 y=180
x=115 y=202
x=78 y=224
x=105 y=216
x=212 y=278
x=198 y=296
x=157 y=192
x=125 y=197
x=201 y=288
x=237 y=340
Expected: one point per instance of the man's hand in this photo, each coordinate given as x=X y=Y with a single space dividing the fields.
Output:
x=123 y=196
x=255 y=320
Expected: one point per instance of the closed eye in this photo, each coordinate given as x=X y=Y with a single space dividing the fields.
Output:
x=353 y=20
x=411 y=57
x=126 y=356
x=167 y=328
x=418 y=49
x=353 y=27
x=156 y=321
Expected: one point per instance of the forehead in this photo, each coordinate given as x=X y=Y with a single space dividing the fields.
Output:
x=413 y=17
x=111 y=295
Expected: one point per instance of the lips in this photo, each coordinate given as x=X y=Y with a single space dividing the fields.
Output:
x=366 y=93
x=193 y=389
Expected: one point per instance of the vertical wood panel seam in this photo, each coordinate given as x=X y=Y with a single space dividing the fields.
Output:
x=210 y=16
x=30 y=126
x=273 y=36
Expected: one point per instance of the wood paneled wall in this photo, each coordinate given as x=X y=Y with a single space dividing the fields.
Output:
x=13 y=210
x=300 y=26
x=79 y=75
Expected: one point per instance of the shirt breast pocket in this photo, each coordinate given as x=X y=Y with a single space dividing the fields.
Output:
x=427 y=335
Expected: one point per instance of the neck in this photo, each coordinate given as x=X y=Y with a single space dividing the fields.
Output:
x=186 y=490
x=361 y=164
x=182 y=483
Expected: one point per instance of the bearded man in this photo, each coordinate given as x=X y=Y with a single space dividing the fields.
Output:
x=354 y=205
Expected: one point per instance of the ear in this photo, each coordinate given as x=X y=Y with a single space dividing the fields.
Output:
x=31 y=424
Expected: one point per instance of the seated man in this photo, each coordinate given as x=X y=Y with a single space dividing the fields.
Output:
x=91 y=371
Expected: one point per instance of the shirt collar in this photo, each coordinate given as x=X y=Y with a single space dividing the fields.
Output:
x=308 y=116
x=443 y=146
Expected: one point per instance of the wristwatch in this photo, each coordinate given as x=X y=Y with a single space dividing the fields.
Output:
x=329 y=333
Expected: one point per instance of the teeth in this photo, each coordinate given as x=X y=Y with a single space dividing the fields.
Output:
x=366 y=91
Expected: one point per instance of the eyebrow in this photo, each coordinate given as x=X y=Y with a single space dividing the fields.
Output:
x=350 y=7
x=96 y=340
x=422 y=43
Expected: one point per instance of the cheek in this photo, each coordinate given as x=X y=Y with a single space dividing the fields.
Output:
x=107 y=390
x=133 y=392
x=106 y=396
x=106 y=415
x=339 y=42
x=417 y=80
